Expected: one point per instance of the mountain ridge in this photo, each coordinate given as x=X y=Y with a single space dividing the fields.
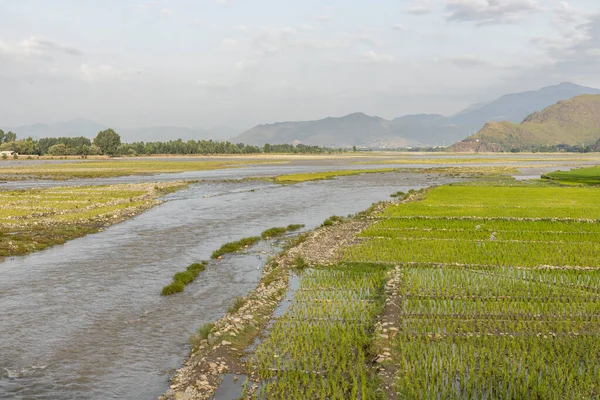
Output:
x=573 y=122
x=415 y=129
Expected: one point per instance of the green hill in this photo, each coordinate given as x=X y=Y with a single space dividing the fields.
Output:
x=574 y=122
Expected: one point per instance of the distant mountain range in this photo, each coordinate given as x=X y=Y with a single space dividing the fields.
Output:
x=89 y=129
x=411 y=130
x=570 y=122
x=356 y=129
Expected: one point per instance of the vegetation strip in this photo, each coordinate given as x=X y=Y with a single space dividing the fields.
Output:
x=317 y=176
x=180 y=279
x=114 y=168
x=580 y=176
x=34 y=219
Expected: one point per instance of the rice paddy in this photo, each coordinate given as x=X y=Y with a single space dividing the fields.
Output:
x=320 y=348
x=499 y=294
x=580 y=176
x=34 y=219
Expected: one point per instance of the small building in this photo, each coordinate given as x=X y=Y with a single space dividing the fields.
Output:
x=8 y=153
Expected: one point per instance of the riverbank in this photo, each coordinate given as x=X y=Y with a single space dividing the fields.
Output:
x=221 y=348
x=35 y=219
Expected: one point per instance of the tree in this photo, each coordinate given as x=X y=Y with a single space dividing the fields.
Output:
x=1 y=136
x=10 y=137
x=108 y=141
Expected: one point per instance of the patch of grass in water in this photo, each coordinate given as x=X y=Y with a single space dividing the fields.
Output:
x=233 y=247
x=180 y=279
x=279 y=231
x=318 y=176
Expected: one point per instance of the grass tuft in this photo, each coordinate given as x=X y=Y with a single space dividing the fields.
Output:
x=233 y=247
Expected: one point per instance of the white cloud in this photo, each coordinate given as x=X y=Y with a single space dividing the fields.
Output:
x=490 y=11
x=467 y=61
x=421 y=7
x=40 y=46
x=399 y=27
x=166 y=11
x=377 y=58
x=100 y=73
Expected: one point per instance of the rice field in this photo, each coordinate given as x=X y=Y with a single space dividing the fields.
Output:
x=34 y=219
x=499 y=294
x=580 y=176
x=320 y=348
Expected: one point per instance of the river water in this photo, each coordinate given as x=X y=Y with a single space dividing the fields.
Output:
x=85 y=319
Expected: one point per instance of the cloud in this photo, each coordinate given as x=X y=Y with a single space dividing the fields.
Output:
x=421 y=7
x=166 y=11
x=467 y=61
x=490 y=11
x=40 y=46
x=377 y=58
x=100 y=73
x=399 y=27
x=215 y=86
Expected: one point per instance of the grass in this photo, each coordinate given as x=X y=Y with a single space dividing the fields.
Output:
x=279 y=231
x=580 y=176
x=180 y=279
x=237 y=304
x=236 y=246
x=317 y=176
x=115 y=168
x=499 y=292
x=332 y=220
x=34 y=219
x=202 y=334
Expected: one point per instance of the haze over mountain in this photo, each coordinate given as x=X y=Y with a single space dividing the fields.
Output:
x=411 y=130
x=573 y=122
x=89 y=129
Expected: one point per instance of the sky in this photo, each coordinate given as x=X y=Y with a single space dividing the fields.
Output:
x=238 y=63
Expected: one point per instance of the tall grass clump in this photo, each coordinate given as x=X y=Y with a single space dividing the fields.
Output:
x=180 y=279
x=233 y=247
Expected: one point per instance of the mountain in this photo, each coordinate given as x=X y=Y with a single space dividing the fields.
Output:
x=76 y=127
x=355 y=129
x=89 y=129
x=569 y=122
x=421 y=129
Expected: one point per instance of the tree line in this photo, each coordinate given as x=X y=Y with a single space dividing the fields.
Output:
x=108 y=142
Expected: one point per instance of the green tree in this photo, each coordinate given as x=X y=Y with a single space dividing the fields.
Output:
x=10 y=137
x=2 y=136
x=108 y=141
